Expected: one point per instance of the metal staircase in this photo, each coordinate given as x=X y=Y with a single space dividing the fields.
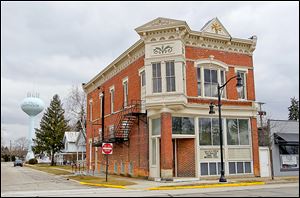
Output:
x=125 y=120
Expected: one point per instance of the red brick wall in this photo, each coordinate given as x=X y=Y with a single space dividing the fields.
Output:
x=185 y=157
x=135 y=150
x=226 y=57
x=166 y=151
x=229 y=58
x=250 y=85
x=255 y=147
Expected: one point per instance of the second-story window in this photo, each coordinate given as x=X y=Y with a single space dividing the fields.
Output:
x=101 y=101
x=242 y=94
x=91 y=110
x=125 y=92
x=143 y=78
x=199 y=81
x=210 y=82
x=170 y=76
x=112 y=95
x=156 y=77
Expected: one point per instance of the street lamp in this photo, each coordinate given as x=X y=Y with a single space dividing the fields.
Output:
x=239 y=86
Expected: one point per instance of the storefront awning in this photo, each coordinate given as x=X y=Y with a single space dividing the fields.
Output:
x=286 y=138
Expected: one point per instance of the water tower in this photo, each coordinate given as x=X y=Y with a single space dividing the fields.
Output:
x=32 y=106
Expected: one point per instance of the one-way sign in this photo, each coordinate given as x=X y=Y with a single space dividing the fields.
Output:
x=107 y=148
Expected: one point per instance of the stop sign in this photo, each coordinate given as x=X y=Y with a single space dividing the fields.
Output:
x=107 y=148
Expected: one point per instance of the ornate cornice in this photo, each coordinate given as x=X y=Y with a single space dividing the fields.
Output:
x=128 y=57
x=212 y=36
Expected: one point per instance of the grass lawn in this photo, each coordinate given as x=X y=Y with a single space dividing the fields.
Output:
x=100 y=180
x=49 y=169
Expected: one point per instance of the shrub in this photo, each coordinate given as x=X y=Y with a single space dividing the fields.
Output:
x=33 y=161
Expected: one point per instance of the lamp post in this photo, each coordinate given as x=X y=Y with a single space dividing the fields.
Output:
x=239 y=86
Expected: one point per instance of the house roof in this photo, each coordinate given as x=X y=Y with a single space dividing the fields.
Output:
x=71 y=136
x=284 y=126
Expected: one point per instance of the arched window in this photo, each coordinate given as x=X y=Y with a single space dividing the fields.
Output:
x=210 y=73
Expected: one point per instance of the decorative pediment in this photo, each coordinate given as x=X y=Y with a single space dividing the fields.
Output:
x=160 y=23
x=214 y=26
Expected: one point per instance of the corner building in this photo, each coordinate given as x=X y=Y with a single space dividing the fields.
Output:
x=154 y=100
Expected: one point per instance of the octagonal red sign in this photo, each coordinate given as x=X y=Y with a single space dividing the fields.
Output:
x=107 y=148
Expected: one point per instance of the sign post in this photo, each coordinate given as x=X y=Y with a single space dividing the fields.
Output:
x=107 y=149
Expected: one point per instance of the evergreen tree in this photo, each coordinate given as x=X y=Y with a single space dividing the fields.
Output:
x=53 y=125
x=294 y=109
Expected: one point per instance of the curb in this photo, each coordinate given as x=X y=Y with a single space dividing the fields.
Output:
x=103 y=185
x=207 y=186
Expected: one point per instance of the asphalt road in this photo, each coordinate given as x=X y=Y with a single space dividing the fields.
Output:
x=14 y=179
x=23 y=181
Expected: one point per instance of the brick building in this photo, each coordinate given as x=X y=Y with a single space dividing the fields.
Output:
x=156 y=98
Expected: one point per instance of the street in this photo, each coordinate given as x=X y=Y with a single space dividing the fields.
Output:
x=23 y=181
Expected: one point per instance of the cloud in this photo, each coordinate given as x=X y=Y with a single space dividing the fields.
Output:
x=49 y=46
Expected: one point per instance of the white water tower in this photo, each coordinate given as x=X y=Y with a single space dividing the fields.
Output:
x=32 y=106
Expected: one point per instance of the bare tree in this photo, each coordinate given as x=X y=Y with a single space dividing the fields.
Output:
x=20 y=147
x=75 y=104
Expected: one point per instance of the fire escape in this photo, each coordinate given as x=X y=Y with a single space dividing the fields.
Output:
x=125 y=120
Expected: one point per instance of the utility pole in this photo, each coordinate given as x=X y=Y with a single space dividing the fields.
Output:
x=261 y=113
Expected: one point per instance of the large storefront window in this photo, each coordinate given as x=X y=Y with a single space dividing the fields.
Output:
x=183 y=125
x=209 y=131
x=289 y=157
x=237 y=132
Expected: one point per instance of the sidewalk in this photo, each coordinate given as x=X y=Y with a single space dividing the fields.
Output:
x=182 y=183
x=143 y=184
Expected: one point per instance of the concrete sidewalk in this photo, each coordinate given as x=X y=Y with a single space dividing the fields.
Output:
x=143 y=184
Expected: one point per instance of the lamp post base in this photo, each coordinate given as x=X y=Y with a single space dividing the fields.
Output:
x=222 y=179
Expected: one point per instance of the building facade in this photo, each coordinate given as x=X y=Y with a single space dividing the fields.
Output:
x=284 y=147
x=154 y=103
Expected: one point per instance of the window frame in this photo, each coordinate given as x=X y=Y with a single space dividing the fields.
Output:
x=211 y=131
x=244 y=167
x=125 y=92
x=156 y=79
x=238 y=132
x=91 y=110
x=182 y=118
x=201 y=82
x=170 y=77
x=244 y=79
x=112 y=99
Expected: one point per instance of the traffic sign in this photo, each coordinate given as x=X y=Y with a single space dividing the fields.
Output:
x=107 y=148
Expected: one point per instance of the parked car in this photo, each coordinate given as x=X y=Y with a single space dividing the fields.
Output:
x=18 y=163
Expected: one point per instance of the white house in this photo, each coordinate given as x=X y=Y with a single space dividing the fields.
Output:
x=80 y=143
x=70 y=151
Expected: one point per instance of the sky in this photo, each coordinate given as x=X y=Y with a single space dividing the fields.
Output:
x=48 y=47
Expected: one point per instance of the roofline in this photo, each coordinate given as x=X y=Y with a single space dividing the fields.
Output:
x=123 y=55
x=284 y=120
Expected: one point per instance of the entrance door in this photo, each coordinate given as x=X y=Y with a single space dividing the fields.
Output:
x=264 y=161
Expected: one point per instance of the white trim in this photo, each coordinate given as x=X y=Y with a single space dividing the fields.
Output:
x=236 y=69
x=211 y=62
x=125 y=80
x=245 y=82
x=91 y=109
x=112 y=88
x=141 y=70
x=125 y=99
